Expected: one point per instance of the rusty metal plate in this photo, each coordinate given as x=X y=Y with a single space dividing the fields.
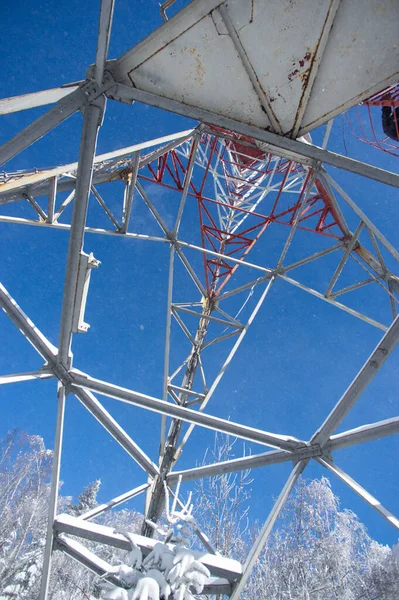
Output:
x=283 y=65
x=361 y=58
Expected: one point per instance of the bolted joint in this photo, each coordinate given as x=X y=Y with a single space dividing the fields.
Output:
x=92 y=89
x=311 y=451
x=62 y=373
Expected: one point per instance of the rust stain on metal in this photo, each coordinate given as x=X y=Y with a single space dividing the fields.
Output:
x=346 y=105
x=251 y=20
x=298 y=65
x=200 y=70
x=313 y=58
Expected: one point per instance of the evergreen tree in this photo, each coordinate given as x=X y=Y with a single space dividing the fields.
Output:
x=87 y=499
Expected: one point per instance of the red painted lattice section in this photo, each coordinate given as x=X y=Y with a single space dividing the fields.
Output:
x=366 y=122
x=242 y=166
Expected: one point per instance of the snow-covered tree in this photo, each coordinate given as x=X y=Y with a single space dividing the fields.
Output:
x=316 y=551
x=171 y=570
x=222 y=503
x=319 y=552
x=87 y=499
x=25 y=472
x=25 y=467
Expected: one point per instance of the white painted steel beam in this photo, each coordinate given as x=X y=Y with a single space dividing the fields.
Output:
x=26 y=326
x=228 y=360
x=91 y=403
x=104 y=33
x=359 y=384
x=102 y=508
x=52 y=194
x=244 y=463
x=129 y=191
x=369 y=224
x=186 y=18
x=56 y=115
x=37 y=208
x=344 y=258
x=37 y=183
x=128 y=95
x=187 y=181
x=263 y=97
x=91 y=123
x=360 y=491
x=314 y=67
x=185 y=414
x=26 y=101
x=266 y=529
x=217 y=565
x=365 y=433
x=105 y=208
x=350 y=311
x=44 y=373
x=66 y=227
x=53 y=499
x=167 y=346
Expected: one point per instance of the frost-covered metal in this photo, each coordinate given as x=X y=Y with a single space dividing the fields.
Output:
x=246 y=180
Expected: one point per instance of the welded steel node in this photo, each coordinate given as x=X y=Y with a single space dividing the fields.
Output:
x=236 y=182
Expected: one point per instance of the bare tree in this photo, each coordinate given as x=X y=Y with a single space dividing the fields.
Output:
x=223 y=502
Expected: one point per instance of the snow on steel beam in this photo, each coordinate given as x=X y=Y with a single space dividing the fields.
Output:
x=102 y=508
x=85 y=557
x=115 y=430
x=185 y=414
x=26 y=326
x=128 y=95
x=365 y=433
x=242 y=464
x=37 y=183
x=360 y=491
x=26 y=101
x=36 y=130
x=44 y=373
x=217 y=565
x=76 y=550
x=359 y=384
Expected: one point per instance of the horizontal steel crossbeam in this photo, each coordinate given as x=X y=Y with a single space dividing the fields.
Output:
x=299 y=149
x=217 y=565
x=185 y=414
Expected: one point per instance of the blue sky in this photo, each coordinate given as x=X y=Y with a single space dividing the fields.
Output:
x=296 y=360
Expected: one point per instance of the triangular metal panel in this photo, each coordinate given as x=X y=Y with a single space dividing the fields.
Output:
x=202 y=68
x=280 y=65
x=360 y=59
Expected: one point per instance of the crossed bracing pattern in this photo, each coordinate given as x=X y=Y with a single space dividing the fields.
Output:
x=242 y=188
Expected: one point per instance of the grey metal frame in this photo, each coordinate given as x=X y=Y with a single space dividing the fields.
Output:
x=83 y=178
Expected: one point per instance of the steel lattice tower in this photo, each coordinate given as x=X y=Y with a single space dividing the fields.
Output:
x=247 y=172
